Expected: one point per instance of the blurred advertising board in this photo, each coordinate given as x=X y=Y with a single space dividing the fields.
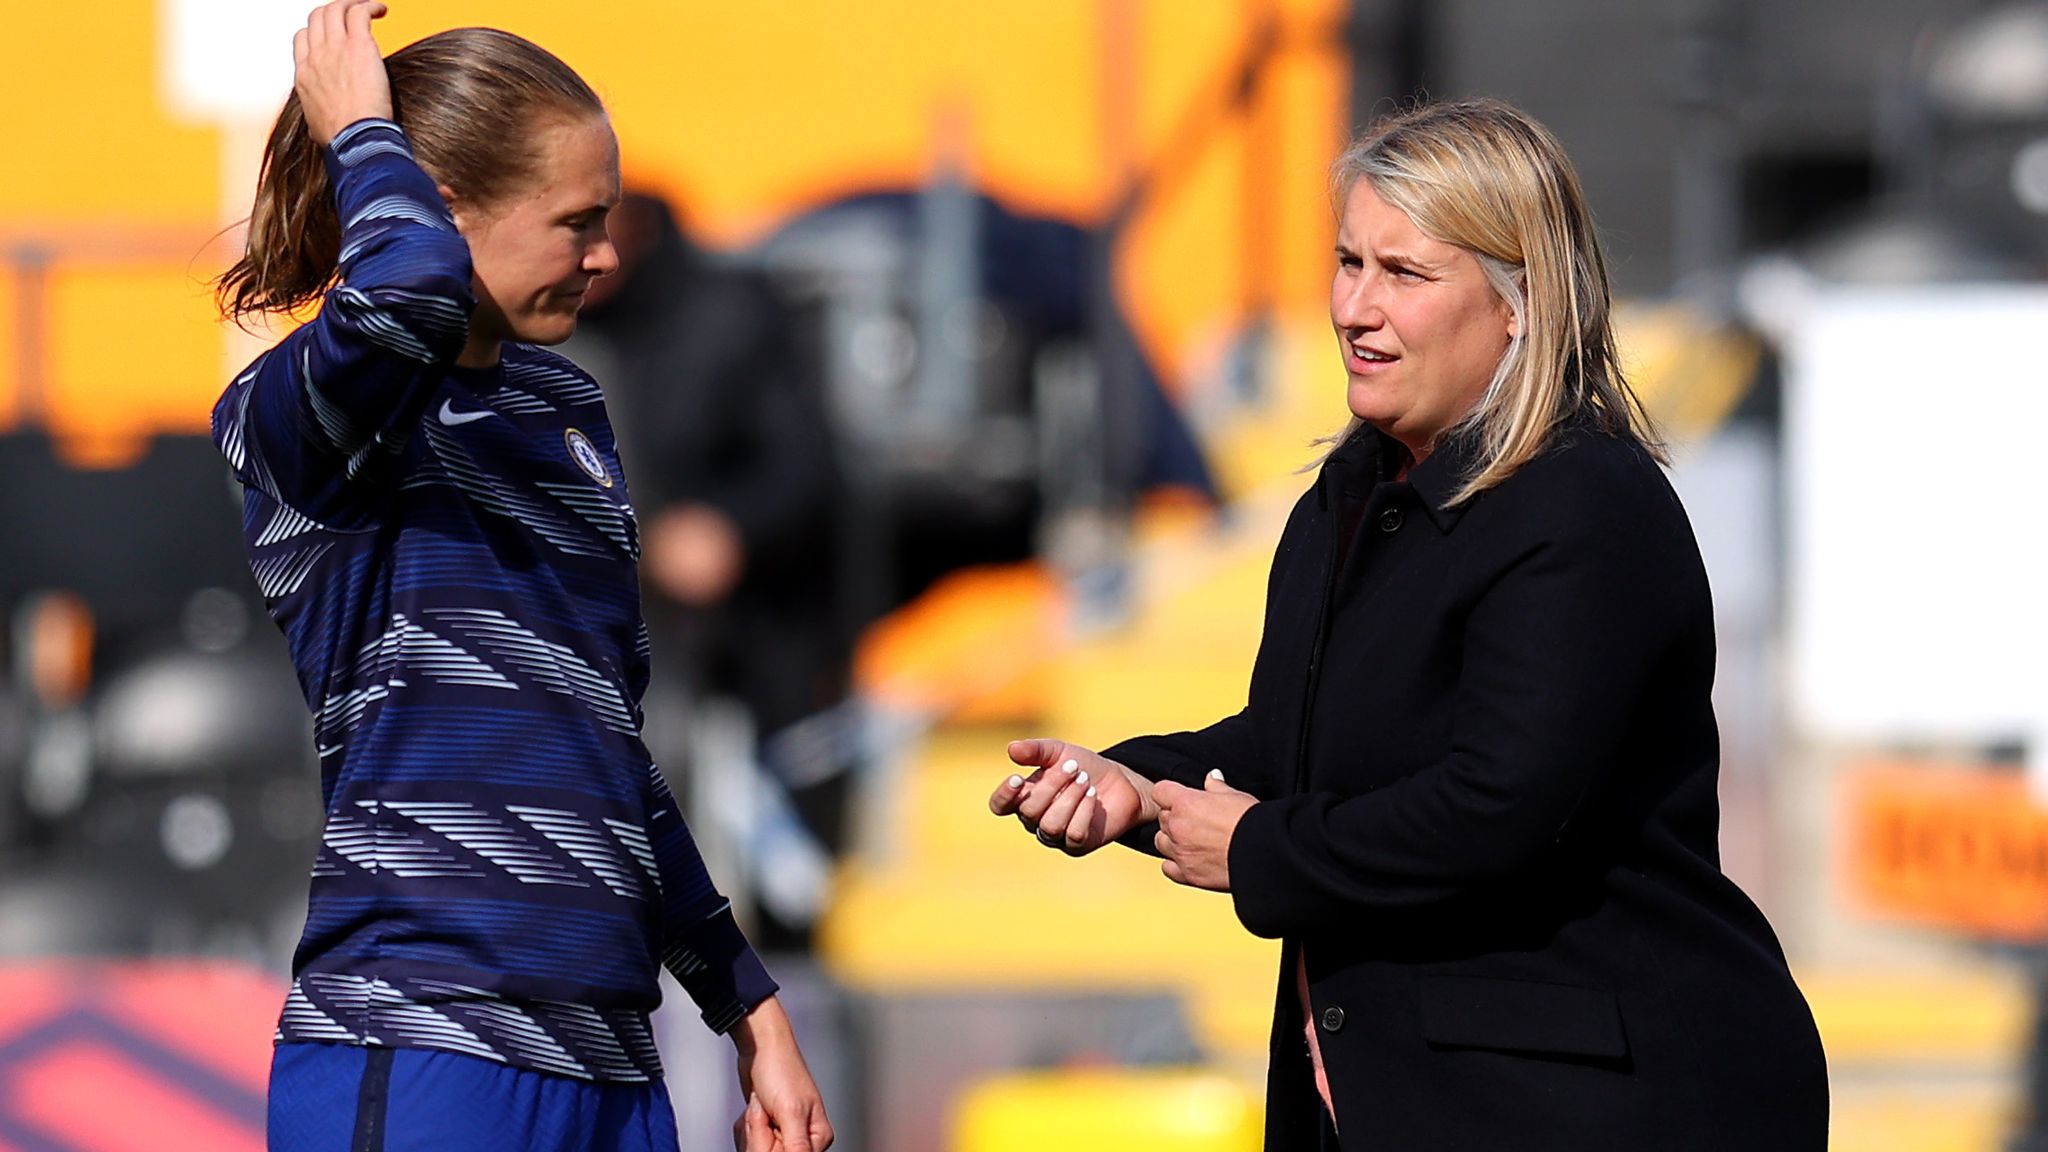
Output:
x=1957 y=847
x=142 y=1056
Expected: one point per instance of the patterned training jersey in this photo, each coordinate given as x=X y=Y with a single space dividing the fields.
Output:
x=451 y=554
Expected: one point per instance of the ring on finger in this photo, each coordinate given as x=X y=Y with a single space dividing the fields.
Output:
x=1049 y=841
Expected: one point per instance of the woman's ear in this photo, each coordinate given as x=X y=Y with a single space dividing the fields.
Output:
x=456 y=207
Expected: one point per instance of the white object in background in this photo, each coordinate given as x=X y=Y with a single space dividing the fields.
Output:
x=228 y=64
x=1917 y=491
x=224 y=60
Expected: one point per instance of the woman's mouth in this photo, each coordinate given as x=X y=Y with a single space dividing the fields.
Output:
x=1359 y=358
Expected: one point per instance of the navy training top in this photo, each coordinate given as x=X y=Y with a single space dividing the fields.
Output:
x=451 y=554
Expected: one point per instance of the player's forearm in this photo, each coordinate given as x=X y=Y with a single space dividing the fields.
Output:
x=764 y=1029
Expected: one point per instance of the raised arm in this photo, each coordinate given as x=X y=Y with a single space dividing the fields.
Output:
x=323 y=414
x=317 y=421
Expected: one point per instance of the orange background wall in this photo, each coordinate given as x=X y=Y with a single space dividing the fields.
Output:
x=743 y=112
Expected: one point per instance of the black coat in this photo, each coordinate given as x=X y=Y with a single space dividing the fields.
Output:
x=1486 y=758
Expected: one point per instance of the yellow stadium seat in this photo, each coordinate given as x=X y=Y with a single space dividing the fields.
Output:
x=1186 y=1109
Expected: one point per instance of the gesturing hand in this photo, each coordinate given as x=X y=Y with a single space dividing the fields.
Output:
x=1195 y=830
x=339 y=73
x=1073 y=800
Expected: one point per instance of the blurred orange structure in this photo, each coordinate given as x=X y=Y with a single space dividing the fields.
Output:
x=1957 y=847
x=743 y=113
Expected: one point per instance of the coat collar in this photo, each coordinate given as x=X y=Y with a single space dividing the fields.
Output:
x=1360 y=462
x=1438 y=478
x=1367 y=457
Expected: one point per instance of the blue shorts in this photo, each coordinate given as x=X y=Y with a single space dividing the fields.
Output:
x=345 y=1098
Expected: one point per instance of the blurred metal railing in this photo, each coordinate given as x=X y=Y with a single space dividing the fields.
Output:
x=33 y=260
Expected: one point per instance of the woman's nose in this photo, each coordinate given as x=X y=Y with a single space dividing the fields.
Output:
x=1356 y=305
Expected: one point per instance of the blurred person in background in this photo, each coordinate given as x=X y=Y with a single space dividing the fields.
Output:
x=732 y=457
x=1037 y=278
x=437 y=520
x=1473 y=788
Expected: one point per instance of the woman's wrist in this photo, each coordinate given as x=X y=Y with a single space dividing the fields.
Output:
x=1148 y=810
x=767 y=1026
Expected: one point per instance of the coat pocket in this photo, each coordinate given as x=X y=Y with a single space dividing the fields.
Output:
x=1522 y=1016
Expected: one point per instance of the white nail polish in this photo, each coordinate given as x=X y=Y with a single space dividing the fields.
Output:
x=1069 y=766
x=1016 y=781
x=1083 y=777
x=1091 y=791
x=1215 y=773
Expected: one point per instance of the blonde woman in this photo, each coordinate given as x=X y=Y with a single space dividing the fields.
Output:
x=1473 y=787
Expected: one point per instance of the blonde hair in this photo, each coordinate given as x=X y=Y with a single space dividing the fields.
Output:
x=1484 y=176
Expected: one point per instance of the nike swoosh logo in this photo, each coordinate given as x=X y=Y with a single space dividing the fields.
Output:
x=451 y=417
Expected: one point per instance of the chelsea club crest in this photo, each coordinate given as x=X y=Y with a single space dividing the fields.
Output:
x=584 y=453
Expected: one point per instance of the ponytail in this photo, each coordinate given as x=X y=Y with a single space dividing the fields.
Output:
x=294 y=245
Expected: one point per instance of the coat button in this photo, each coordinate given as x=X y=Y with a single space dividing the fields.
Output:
x=1390 y=520
x=1333 y=1019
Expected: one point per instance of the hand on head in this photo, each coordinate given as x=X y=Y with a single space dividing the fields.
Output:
x=1072 y=799
x=339 y=73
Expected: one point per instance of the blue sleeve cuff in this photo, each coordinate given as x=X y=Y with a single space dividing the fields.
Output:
x=370 y=136
x=719 y=969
